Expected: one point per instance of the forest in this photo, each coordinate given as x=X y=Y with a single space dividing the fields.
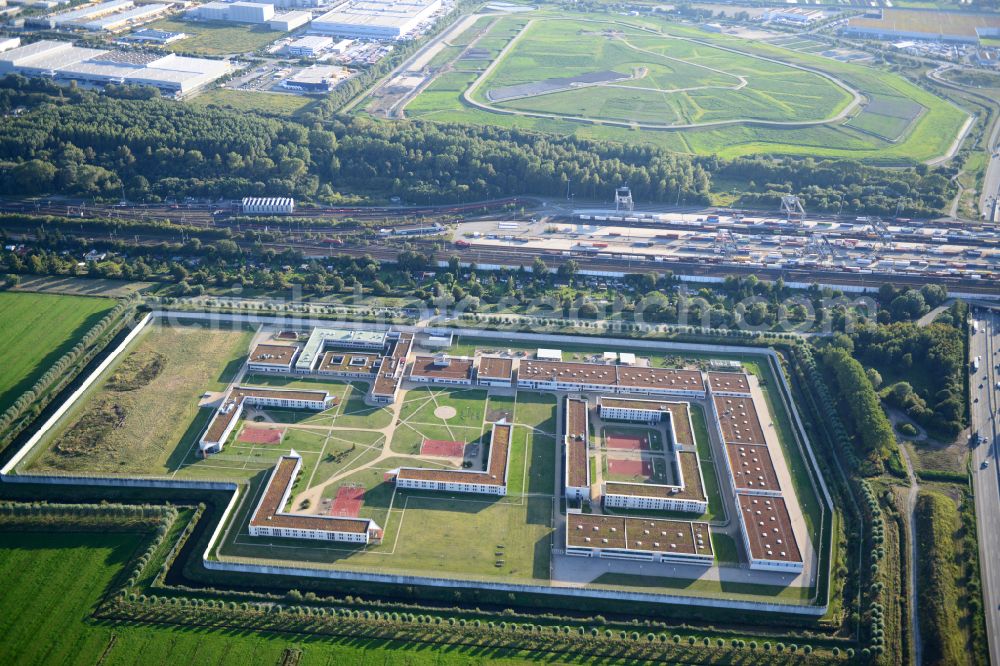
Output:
x=129 y=142
x=927 y=364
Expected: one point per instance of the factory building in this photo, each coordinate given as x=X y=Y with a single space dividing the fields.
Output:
x=61 y=61
x=376 y=19
x=81 y=15
x=289 y=21
x=237 y=12
x=119 y=21
x=310 y=47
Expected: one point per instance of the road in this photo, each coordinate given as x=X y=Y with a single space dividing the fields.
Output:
x=986 y=481
x=991 y=180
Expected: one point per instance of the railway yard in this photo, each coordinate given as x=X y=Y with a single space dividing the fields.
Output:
x=700 y=244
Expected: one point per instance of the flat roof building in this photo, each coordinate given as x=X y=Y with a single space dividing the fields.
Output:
x=62 y=61
x=288 y=21
x=270 y=518
x=495 y=371
x=576 y=465
x=228 y=414
x=644 y=539
x=751 y=470
x=729 y=383
x=376 y=19
x=272 y=358
x=309 y=46
x=491 y=481
x=605 y=378
x=442 y=369
x=738 y=421
x=767 y=534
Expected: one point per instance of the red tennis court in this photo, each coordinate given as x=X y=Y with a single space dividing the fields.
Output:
x=348 y=502
x=442 y=447
x=262 y=435
x=621 y=467
x=627 y=441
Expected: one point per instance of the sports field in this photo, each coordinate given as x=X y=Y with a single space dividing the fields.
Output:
x=642 y=80
x=37 y=329
x=53 y=581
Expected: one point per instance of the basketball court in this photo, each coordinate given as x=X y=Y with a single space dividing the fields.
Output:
x=252 y=435
x=443 y=448
x=626 y=441
x=638 y=469
x=348 y=502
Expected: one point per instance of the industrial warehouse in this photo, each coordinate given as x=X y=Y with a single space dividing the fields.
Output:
x=376 y=19
x=63 y=62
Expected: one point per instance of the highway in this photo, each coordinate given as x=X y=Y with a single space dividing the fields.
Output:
x=986 y=467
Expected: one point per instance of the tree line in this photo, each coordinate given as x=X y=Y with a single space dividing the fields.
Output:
x=82 y=143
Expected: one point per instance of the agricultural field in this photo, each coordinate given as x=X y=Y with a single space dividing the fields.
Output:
x=684 y=90
x=37 y=329
x=53 y=581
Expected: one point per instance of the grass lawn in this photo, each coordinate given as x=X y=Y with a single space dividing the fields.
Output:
x=705 y=587
x=206 y=38
x=474 y=526
x=532 y=463
x=37 y=329
x=536 y=410
x=151 y=429
x=725 y=549
x=52 y=582
x=246 y=100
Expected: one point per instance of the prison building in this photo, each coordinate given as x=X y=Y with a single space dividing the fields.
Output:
x=491 y=481
x=495 y=371
x=661 y=381
x=576 y=465
x=228 y=414
x=737 y=420
x=321 y=339
x=442 y=369
x=389 y=375
x=767 y=534
x=348 y=365
x=633 y=410
x=687 y=495
x=642 y=539
x=270 y=519
x=607 y=378
x=272 y=358
x=729 y=384
x=751 y=470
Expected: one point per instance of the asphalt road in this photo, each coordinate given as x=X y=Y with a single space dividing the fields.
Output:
x=986 y=480
x=991 y=180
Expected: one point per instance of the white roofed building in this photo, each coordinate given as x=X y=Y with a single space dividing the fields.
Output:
x=376 y=19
